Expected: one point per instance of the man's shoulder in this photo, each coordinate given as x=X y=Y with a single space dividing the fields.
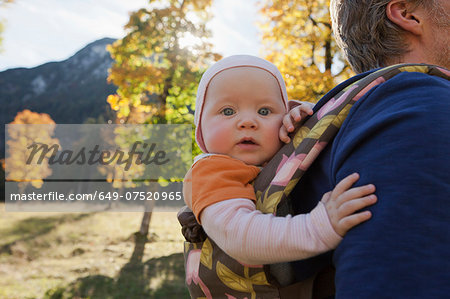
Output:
x=406 y=108
x=407 y=90
x=407 y=80
x=416 y=81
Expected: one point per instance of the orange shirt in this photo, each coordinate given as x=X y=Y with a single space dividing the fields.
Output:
x=216 y=178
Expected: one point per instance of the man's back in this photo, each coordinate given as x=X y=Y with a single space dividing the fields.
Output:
x=397 y=137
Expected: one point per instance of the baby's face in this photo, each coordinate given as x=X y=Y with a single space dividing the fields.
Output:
x=242 y=115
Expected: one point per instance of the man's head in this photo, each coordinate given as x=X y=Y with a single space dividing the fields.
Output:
x=377 y=33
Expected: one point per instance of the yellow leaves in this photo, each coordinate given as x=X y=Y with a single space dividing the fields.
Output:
x=124 y=112
x=232 y=280
x=290 y=186
x=136 y=103
x=269 y=203
x=28 y=117
x=237 y=282
x=258 y=195
x=259 y=279
x=37 y=183
x=297 y=39
x=150 y=61
x=113 y=100
x=300 y=135
x=417 y=68
x=206 y=255
x=337 y=122
x=321 y=126
x=201 y=5
x=19 y=139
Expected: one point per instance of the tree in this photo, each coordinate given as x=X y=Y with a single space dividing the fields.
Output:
x=297 y=37
x=159 y=62
x=158 y=65
x=19 y=138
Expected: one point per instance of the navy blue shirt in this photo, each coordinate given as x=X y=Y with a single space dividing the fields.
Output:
x=396 y=137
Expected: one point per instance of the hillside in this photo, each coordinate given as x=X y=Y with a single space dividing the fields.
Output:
x=70 y=91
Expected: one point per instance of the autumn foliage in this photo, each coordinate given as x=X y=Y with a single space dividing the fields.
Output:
x=20 y=137
x=298 y=39
x=158 y=64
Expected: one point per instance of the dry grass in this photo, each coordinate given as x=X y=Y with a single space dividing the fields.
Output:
x=81 y=255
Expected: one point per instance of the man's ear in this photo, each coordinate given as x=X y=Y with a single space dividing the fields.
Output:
x=401 y=13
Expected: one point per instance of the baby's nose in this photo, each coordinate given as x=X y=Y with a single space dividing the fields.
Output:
x=248 y=122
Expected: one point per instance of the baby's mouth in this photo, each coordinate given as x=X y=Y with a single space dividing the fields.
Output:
x=247 y=141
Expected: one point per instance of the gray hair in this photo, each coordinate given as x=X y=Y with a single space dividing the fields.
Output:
x=365 y=34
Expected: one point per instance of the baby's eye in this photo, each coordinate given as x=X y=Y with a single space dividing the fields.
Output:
x=228 y=111
x=264 y=111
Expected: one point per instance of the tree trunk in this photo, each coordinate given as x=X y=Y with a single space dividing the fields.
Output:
x=146 y=218
x=149 y=205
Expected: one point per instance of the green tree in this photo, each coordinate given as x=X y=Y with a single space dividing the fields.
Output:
x=297 y=37
x=158 y=65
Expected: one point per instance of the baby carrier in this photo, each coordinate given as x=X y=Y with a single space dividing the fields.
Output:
x=220 y=276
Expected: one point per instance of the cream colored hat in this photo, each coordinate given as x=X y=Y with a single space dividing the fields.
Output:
x=225 y=64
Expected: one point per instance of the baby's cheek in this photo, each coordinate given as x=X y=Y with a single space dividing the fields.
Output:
x=275 y=142
x=216 y=139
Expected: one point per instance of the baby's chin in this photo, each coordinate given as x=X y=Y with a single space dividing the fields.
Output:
x=260 y=161
x=248 y=160
x=257 y=163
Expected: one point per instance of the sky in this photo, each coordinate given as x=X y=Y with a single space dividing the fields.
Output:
x=39 y=31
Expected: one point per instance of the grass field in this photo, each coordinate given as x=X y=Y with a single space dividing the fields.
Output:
x=88 y=255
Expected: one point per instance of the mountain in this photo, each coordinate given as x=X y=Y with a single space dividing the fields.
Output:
x=72 y=91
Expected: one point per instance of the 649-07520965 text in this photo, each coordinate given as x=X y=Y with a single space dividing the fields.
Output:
x=141 y=195
x=102 y=196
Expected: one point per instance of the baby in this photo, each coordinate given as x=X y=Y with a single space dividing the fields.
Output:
x=241 y=102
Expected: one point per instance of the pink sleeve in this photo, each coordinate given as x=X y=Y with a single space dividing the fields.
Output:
x=254 y=238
